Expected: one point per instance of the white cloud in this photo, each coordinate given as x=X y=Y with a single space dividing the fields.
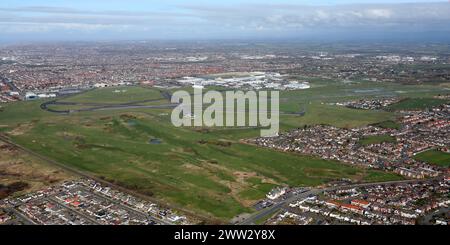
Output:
x=27 y=27
x=379 y=13
x=231 y=19
x=330 y=16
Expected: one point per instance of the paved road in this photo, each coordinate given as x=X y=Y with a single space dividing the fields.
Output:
x=278 y=206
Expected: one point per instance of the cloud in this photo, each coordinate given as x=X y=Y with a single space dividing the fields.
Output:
x=380 y=13
x=44 y=19
x=209 y=19
x=288 y=15
x=29 y=27
x=73 y=11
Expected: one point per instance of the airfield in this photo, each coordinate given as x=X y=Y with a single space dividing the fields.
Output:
x=124 y=136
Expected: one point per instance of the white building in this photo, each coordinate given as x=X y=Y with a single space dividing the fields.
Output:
x=30 y=96
x=100 y=85
x=43 y=96
x=297 y=85
x=276 y=193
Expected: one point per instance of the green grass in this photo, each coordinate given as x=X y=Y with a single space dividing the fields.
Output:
x=435 y=157
x=180 y=170
x=338 y=91
x=376 y=139
x=203 y=177
x=388 y=124
x=257 y=192
x=109 y=96
x=416 y=104
x=22 y=112
x=317 y=113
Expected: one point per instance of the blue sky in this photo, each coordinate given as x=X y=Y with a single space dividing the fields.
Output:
x=31 y=20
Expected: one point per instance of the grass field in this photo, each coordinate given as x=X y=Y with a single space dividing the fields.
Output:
x=388 y=124
x=116 y=95
x=435 y=157
x=209 y=177
x=416 y=104
x=318 y=113
x=376 y=139
x=206 y=170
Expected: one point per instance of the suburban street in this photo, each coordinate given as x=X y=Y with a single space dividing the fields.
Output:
x=265 y=213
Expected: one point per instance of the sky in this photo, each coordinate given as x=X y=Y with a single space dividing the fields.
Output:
x=64 y=20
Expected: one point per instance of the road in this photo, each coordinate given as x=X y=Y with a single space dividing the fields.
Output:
x=60 y=203
x=278 y=206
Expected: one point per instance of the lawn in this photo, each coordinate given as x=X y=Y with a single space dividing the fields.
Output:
x=436 y=157
x=377 y=139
